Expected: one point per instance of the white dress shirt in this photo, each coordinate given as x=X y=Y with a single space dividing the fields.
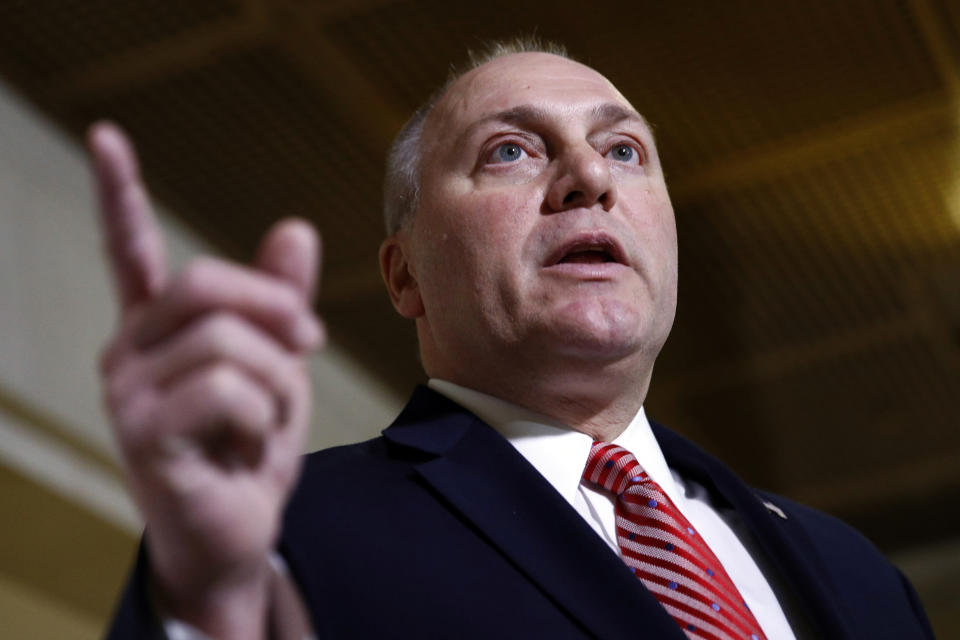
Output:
x=560 y=453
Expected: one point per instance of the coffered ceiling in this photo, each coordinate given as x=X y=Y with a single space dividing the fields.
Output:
x=812 y=150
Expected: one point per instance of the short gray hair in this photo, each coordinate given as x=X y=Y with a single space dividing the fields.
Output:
x=401 y=184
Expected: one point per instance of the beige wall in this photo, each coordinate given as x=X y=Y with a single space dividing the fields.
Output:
x=69 y=528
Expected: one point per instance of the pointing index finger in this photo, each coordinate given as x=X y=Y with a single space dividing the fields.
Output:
x=134 y=242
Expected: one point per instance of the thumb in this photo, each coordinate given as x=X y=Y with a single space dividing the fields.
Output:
x=291 y=252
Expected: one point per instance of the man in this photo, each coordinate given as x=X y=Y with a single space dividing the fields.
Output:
x=532 y=241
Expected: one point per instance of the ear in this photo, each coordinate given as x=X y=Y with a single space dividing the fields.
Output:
x=401 y=282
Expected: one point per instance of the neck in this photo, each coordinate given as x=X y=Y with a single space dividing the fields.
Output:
x=600 y=403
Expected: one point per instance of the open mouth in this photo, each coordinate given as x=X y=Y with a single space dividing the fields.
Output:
x=589 y=248
x=588 y=255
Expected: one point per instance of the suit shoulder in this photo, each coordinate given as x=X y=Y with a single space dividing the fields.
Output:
x=368 y=458
x=374 y=448
x=348 y=470
x=822 y=527
x=855 y=564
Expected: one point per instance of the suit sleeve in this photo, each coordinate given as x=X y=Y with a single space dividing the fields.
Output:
x=135 y=616
x=922 y=621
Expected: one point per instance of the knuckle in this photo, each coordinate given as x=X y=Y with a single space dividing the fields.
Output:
x=288 y=302
x=299 y=374
x=233 y=396
x=197 y=280
x=222 y=384
x=137 y=435
x=264 y=408
x=131 y=417
x=220 y=333
x=119 y=384
x=287 y=374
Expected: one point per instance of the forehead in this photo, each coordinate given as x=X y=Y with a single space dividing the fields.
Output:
x=543 y=80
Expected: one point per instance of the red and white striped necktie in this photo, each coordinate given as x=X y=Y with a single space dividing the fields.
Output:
x=665 y=552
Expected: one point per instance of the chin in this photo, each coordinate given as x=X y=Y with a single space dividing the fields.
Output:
x=602 y=331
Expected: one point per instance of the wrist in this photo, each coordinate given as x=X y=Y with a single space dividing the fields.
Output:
x=234 y=606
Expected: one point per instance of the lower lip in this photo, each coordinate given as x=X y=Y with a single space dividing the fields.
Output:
x=588 y=270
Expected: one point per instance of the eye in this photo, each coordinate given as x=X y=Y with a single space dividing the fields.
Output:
x=625 y=153
x=506 y=152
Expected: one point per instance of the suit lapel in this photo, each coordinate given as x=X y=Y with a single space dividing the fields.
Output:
x=783 y=539
x=484 y=478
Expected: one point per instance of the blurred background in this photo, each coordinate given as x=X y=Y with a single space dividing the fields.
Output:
x=813 y=154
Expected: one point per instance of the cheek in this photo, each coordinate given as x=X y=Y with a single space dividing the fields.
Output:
x=499 y=217
x=487 y=231
x=653 y=215
x=471 y=241
x=652 y=219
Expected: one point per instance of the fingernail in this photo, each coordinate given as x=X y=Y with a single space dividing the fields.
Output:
x=306 y=332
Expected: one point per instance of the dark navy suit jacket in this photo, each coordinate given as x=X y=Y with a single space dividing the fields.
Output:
x=440 y=529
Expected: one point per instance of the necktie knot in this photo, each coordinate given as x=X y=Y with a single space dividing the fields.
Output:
x=613 y=468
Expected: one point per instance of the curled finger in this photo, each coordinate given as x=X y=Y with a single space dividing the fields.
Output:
x=219 y=410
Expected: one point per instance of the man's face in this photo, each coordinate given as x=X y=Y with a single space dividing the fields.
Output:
x=544 y=228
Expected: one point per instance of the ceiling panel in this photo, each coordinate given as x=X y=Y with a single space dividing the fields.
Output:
x=49 y=38
x=714 y=77
x=245 y=140
x=859 y=225
x=812 y=148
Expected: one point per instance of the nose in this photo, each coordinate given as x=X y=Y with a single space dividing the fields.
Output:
x=582 y=181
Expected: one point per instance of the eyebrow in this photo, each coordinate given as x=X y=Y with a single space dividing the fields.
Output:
x=608 y=113
x=611 y=113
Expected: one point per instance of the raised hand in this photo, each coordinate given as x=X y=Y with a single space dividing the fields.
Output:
x=206 y=385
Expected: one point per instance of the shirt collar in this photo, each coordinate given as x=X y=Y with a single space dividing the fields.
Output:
x=554 y=449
